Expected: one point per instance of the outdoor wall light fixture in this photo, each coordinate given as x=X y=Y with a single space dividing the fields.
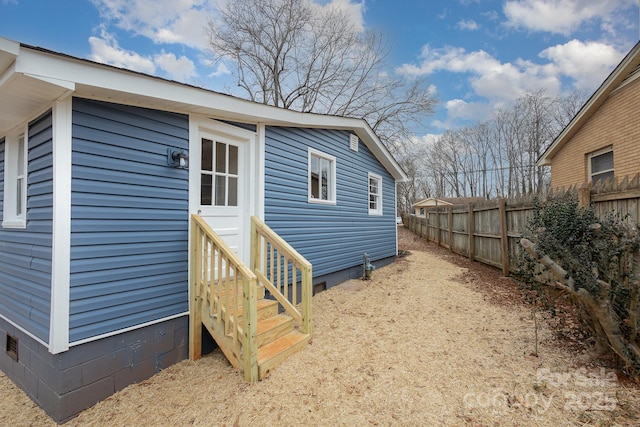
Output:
x=177 y=159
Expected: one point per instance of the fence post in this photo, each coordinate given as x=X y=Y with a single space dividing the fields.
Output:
x=504 y=243
x=438 y=225
x=470 y=227
x=450 y=221
x=584 y=195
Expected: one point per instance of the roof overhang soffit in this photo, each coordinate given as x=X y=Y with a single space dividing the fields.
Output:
x=23 y=93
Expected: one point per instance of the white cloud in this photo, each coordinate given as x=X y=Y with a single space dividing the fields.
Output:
x=561 y=16
x=353 y=10
x=221 y=70
x=417 y=144
x=583 y=64
x=105 y=50
x=449 y=58
x=460 y=111
x=488 y=77
x=468 y=25
x=180 y=69
x=162 y=21
x=587 y=63
x=494 y=84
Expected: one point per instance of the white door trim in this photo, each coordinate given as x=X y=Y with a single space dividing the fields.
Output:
x=197 y=126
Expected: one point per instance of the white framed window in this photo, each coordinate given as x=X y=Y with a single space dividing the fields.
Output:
x=375 y=194
x=322 y=178
x=15 y=180
x=601 y=165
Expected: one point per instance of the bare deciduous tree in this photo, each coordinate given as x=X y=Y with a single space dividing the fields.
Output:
x=298 y=55
x=498 y=158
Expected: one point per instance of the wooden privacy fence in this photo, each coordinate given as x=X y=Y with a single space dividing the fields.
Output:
x=486 y=231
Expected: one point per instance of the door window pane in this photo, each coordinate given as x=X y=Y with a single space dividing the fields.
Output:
x=205 y=189
x=233 y=160
x=221 y=157
x=207 y=154
x=220 y=190
x=233 y=192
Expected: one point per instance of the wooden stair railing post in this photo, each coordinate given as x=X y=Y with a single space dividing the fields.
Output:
x=195 y=294
x=254 y=255
x=307 y=291
x=250 y=329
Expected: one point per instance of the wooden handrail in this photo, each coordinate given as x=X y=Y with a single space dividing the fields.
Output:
x=217 y=278
x=271 y=260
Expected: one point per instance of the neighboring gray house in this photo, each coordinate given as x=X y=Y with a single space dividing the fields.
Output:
x=94 y=240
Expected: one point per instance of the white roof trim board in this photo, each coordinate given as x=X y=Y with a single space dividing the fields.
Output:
x=627 y=67
x=32 y=78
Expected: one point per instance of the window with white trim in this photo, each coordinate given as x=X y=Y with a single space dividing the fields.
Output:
x=601 y=165
x=15 y=181
x=375 y=194
x=322 y=177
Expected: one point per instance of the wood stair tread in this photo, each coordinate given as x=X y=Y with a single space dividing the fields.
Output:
x=272 y=322
x=276 y=321
x=263 y=304
x=272 y=354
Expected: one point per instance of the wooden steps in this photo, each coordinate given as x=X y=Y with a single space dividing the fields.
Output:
x=272 y=354
x=276 y=337
x=222 y=286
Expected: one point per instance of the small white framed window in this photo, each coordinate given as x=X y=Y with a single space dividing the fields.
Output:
x=15 y=180
x=375 y=194
x=601 y=165
x=322 y=177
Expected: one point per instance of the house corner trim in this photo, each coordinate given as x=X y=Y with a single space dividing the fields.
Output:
x=61 y=242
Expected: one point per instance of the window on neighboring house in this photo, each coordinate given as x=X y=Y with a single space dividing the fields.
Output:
x=601 y=165
x=421 y=211
x=375 y=194
x=322 y=177
x=15 y=181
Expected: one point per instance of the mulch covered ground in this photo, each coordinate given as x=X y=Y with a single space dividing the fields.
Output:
x=431 y=340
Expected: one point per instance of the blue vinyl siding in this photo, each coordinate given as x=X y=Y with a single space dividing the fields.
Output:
x=25 y=254
x=331 y=237
x=129 y=218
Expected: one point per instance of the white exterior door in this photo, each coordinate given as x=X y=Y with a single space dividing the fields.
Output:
x=222 y=183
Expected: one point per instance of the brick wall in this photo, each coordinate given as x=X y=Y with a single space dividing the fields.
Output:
x=616 y=124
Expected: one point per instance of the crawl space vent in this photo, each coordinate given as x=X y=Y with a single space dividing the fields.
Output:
x=12 y=347
x=353 y=142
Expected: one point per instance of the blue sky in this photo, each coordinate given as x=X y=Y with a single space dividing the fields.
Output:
x=477 y=55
